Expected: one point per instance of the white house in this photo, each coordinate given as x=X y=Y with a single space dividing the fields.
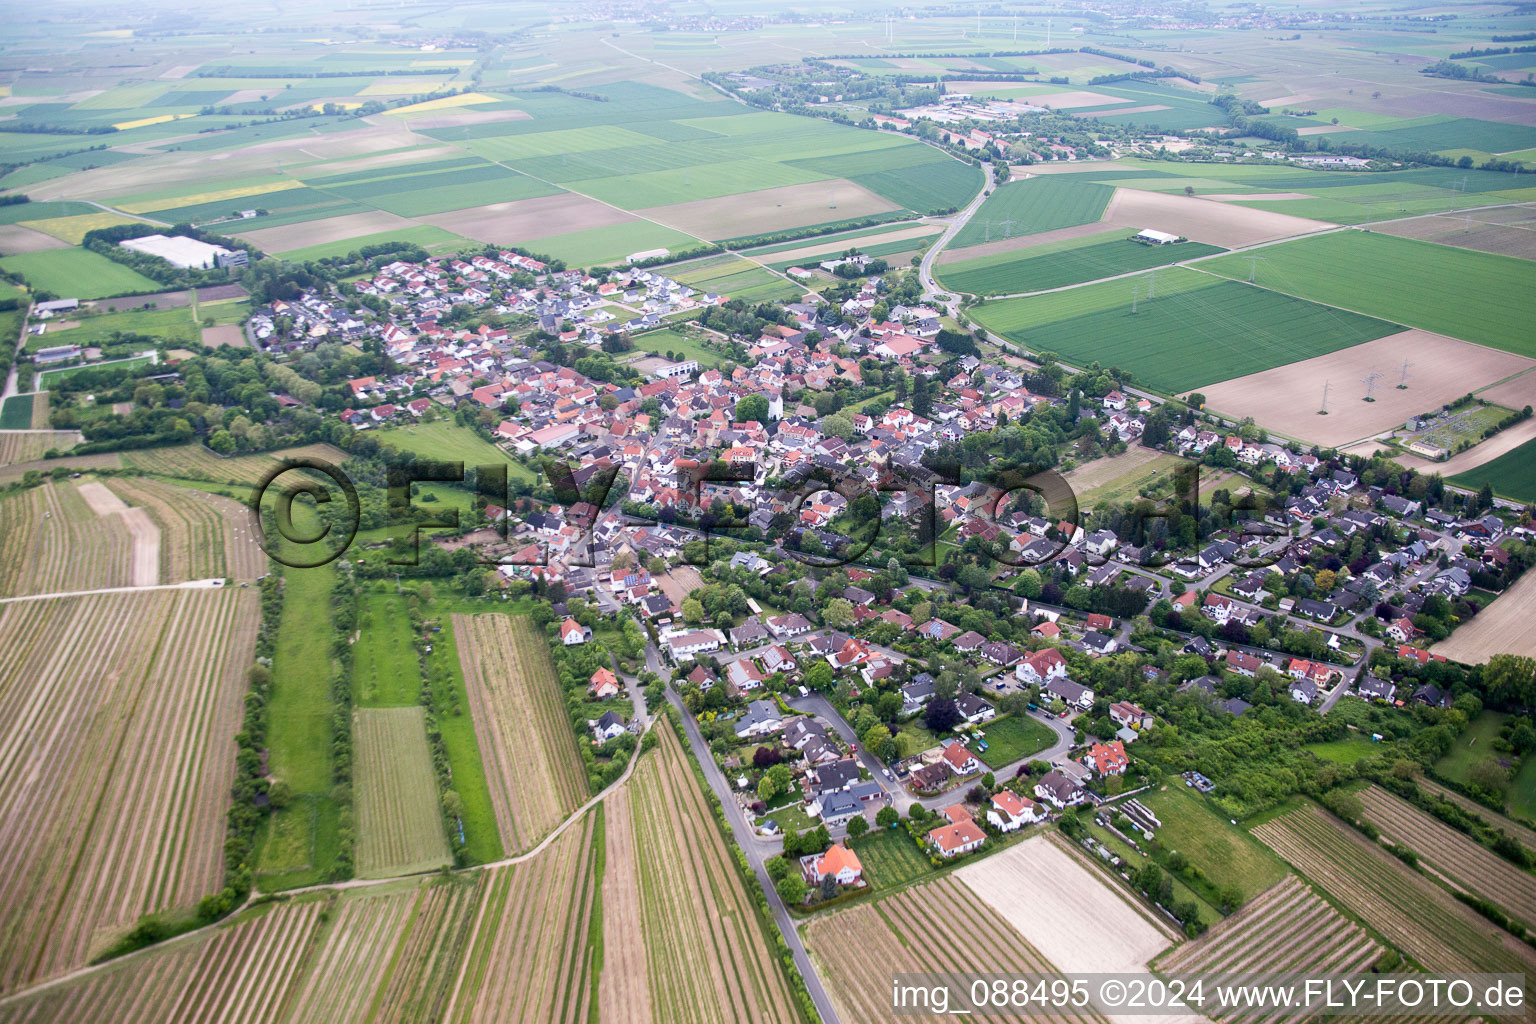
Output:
x=1011 y=811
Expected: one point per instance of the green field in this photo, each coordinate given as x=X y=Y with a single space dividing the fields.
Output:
x=737 y=278
x=386 y=672
x=1471 y=747
x=611 y=244
x=1062 y=263
x=1196 y=330
x=1511 y=475
x=77 y=274
x=1346 y=751
x=429 y=237
x=1467 y=294
x=667 y=340
x=890 y=858
x=16 y=414
x=482 y=838
x=170 y=327
x=446 y=441
x=1227 y=854
x=49 y=376
x=1028 y=207
x=1010 y=738
x=299 y=730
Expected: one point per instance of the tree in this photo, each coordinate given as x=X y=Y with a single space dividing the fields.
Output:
x=752 y=407
x=1028 y=584
x=840 y=424
x=819 y=677
x=887 y=816
x=1487 y=774
x=941 y=715
x=1231 y=898
x=877 y=740
x=766 y=790
x=838 y=613
x=829 y=887
x=858 y=826
x=792 y=889
x=693 y=611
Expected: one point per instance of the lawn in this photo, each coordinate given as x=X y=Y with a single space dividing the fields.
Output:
x=1464 y=293
x=1071 y=262
x=1346 y=751
x=170 y=327
x=1522 y=791
x=446 y=441
x=1196 y=329
x=1010 y=738
x=481 y=837
x=386 y=672
x=77 y=274
x=1471 y=747
x=1134 y=861
x=1511 y=475
x=1037 y=204
x=680 y=345
x=890 y=858
x=1227 y=854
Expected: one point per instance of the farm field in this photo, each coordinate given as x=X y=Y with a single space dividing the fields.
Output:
x=352 y=950
x=1522 y=834
x=740 y=279
x=1285 y=928
x=16 y=413
x=899 y=933
x=1506 y=231
x=530 y=756
x=528 y=956
x=52 y=540
x=386 y=671
x=1286 y=399
x=1010 y=738
x=1452 y=853
x=196 y=462
x=624 y=992
x=169 y=327
x=706 y=955
x=27 y=446
x=143 y=693
x=1194 y=331
x=202 y=536
x=399 y=817
x=77 y=274
x=1034 y=205
x=771 y=209
x=1042 y=885
x=1407 y=909
x=1070 y=262
x=610 y=243
x=1225 y=225
x=1457 y=292
x=240 y=972
x=1227 y=854
x=1511 y=475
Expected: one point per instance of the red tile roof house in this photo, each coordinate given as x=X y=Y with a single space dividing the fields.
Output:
x=838 y=862
x=604 y=684
x=959 y=759
x=1107 y=758
x=1011 y=811
x=954 y=840
x=573 y=633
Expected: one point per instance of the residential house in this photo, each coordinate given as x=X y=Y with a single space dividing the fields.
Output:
x=1129 y=715
x=1058 y=789
x=760 y=719
x=608 y=727
x=959 y=759
x=1010 y=811
x=604 y=684
x=573 y=633
x=1107 y=758
x=1068 y=692
x=1042 y=666
x=955 y=840
x=838 y=862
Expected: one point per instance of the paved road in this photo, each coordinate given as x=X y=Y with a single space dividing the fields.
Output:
x=756 y=855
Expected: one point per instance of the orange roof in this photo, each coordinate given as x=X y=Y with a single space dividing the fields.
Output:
x=957 y=755
x=836 y=859
x=602 y=676
x=952 y=837
x=957 y=813
x=1009 y=802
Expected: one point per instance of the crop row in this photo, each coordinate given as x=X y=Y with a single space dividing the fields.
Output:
x=1407 y=909
x=532 y=765
x=1452 y=852
x=202 y=536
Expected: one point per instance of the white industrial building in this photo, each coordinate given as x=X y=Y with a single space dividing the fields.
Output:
x=1156 y=237
x=181 y=251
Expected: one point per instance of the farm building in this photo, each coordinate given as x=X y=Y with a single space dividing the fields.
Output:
x=1153 y=237
x=648 y=254
x=180 y=251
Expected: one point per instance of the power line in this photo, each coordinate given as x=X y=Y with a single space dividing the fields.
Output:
x=1402 y=385
x=1253 y=267
x=1370 y=381
x=1324 y=410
